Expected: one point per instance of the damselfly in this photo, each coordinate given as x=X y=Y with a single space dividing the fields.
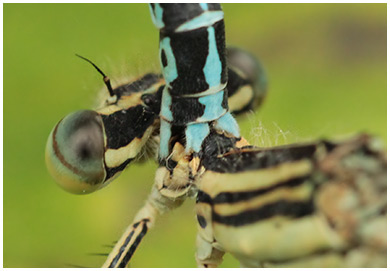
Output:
x=321 y=204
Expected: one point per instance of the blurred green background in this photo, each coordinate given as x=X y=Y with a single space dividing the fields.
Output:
x=326 y=65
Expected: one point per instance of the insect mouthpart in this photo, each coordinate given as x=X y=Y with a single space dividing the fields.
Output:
x=75 y=152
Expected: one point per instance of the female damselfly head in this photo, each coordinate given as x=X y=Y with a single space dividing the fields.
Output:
x=87 y=149
x=75 y=152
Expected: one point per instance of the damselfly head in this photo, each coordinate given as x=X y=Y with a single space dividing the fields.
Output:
x=75 y=152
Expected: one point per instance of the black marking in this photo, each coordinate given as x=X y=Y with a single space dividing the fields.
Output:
x=141 y=84
x=293 y=209
x=121 y=250
x=224 y=103
x=203 y=197
x=219 y=28
x=164 y=60
x=114 y=170
x=255 y=159
x=153 y=101
x=134 y=246
x=190 y=53
x=186 y=110
x=235 y=82
x=171 y=164
x=214 y=145
x=202 y=221
x=233 y=197
x=123 y=126
x=330 y=146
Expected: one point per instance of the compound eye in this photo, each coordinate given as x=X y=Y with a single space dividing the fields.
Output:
x=75 y=152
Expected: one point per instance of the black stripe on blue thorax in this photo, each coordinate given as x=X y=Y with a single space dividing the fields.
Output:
x=190 y=51
x=193 y=61
x=233 y=197
x=292 y=209
x=121 y=127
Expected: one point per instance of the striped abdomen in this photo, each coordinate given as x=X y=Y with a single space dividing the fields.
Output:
x=289 y=205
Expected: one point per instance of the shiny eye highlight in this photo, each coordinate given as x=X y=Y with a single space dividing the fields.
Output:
x=75 y=152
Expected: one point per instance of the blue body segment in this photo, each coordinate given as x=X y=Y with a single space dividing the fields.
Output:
x=166 y=100
x=193 y=61
x=165 y=135
x=169 y=70
x=228 y=124
x=213 y=109
x=204 y=6
x=195 y=135
x=213 y=66
x=157 y=13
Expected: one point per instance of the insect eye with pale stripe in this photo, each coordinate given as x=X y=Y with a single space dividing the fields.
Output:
x=75 y=152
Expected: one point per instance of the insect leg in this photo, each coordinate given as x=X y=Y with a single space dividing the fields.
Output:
x=206 y=255
x=124 y=249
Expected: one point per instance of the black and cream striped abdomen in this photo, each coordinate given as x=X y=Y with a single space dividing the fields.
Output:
x=261 y=205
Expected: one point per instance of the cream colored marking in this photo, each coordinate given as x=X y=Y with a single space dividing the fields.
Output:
x=241 y=98
x=299 y=193
x=237 y=70
x=124 y=103
x=178 y=152
x=207 y=92
x=242 y=143
x=278 y=238
x=194 y=165
x=115 y=157
x=204 y=210
x=214 y=183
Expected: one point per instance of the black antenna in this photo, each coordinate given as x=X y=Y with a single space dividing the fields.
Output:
x=105 y=78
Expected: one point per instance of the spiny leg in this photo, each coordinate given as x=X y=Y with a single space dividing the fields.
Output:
x=156 y=205
x=126 y=246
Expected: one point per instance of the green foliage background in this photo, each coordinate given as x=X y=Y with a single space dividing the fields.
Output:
x=326 y=65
